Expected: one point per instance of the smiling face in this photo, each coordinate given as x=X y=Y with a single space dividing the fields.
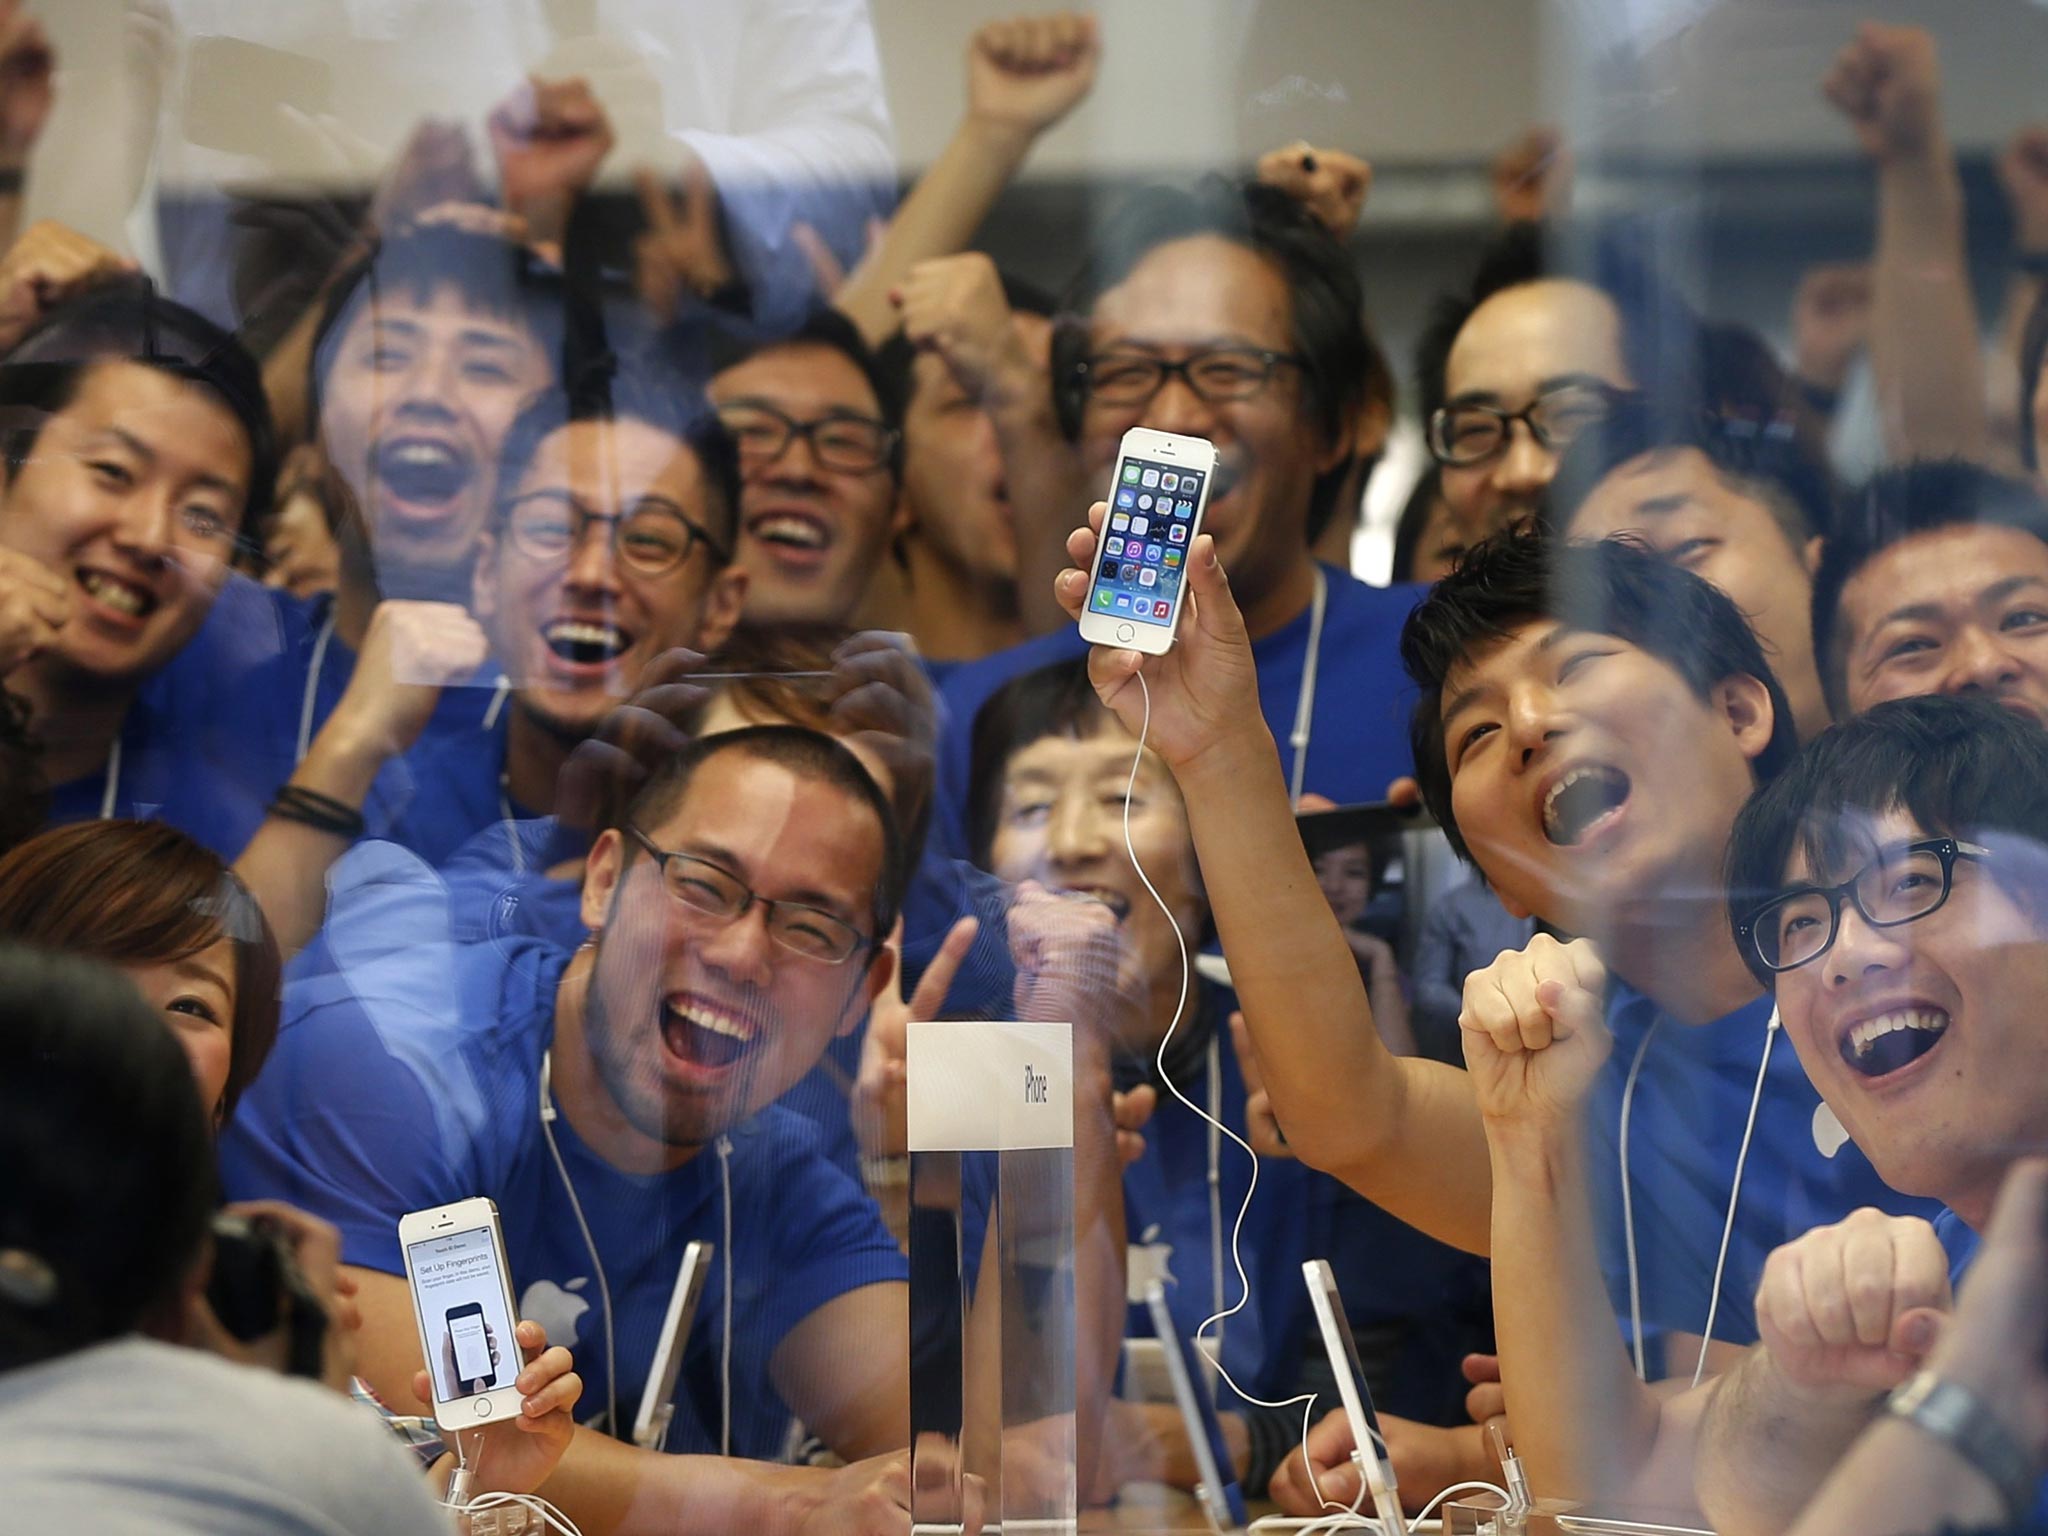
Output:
x=196 y=996
x=1201 y=294
x=955 y=491
x=695 y=1022
x=1925 y=1038
x=811 y=533
x=1678 y=504
x=578 y=630
x=1960 y=610
x=1061 y=823
x=414 y=403
x=1589 y=780
x=1522 y=343
x=133 y=493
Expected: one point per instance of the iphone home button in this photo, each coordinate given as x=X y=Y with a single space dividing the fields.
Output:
x=483 y=1407
x=1125 y=634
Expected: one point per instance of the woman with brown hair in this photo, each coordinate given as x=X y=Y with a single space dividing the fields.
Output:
x=172 y=918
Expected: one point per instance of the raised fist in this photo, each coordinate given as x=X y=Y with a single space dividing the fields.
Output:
x=1330 y=184
x=1025 y=74
x=1535 y=1031
x=1888 y=85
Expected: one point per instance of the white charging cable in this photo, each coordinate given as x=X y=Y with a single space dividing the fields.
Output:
x=1628 y=1216
x=460 y=1500
x=1244 y=1288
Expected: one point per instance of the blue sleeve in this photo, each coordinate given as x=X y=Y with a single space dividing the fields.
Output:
x=338 y=1127
x=839 y=1246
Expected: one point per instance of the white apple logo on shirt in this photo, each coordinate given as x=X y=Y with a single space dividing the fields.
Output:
x=1147 y=1260
x=556 y=1308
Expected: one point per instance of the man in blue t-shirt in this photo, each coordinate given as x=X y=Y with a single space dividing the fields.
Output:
x=1893 y=890
x=1591 y=721
x=1225 y=313
x=612 y=1103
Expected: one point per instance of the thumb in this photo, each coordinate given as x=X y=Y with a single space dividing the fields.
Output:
x=1575 y=1010
x=1247 y=1055
x=423 y=1387
x=1915 y=1332
x=1215 y=609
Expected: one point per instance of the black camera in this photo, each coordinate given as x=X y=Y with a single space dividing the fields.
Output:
x=257 y=1289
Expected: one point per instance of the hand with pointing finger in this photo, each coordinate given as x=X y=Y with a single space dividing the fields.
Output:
x=1535 y=1033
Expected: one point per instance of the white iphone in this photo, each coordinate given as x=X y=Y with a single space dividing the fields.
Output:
x=462 y=1295
x=1156 y=501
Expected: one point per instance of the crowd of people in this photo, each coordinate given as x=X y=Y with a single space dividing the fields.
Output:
x=536 y=708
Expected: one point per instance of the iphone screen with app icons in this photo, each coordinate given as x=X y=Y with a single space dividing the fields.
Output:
x=1151 y=520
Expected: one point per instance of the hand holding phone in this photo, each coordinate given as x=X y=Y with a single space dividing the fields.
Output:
x=462 y=1299
x=1158 y=495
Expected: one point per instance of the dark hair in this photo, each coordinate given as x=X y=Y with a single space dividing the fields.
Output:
x=896 y=358
x=1895 y=505
x=1612 y=587
x=829 y=329
x=810 y=754
x=1660 y=336
x=1768 y=464
x=1057 y=700
x=2033 y=349
x=1423 y=498
x=1959 y=767
x=142 y=893
x=493 y=276
x=1326 y=302
x=109 y=1187
x=1513 y=257
x=646 y=394
x=127 y=321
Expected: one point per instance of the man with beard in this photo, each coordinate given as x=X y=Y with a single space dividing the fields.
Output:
x=736 y=918
x=1936 y=581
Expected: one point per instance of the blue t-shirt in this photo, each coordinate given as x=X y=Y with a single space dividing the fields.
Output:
x=265 y=669
x=209 y=736
x=1691 y=1103
x=410 y=1078
x=1358 y=736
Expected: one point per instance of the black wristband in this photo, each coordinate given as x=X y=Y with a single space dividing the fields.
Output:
x=324 y=813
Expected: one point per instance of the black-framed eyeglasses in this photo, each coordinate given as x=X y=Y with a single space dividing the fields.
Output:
x=1901 y=885
x=1462 y=436
x=838 y=440
x=1217 y=375
x=652 y=538
x=718 y=893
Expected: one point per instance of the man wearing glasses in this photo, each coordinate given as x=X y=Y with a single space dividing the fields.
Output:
x=735 y=919
x=1906 y=854
x=820 y=443
x=1511 y=371
x=1225 y=312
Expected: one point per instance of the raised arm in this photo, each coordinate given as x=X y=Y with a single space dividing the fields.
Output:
x=1535 y=1040
x=1023 y=76
x=1403 y=1132
x=412 y=650
x=1923 y=334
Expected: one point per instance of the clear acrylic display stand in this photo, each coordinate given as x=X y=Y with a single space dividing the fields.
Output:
x=992 y=1374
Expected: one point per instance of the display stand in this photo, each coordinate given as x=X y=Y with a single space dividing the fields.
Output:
x=992 y=1371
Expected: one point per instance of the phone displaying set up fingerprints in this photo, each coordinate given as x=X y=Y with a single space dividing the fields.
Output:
x=1157 y=496
x=462 y=1297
